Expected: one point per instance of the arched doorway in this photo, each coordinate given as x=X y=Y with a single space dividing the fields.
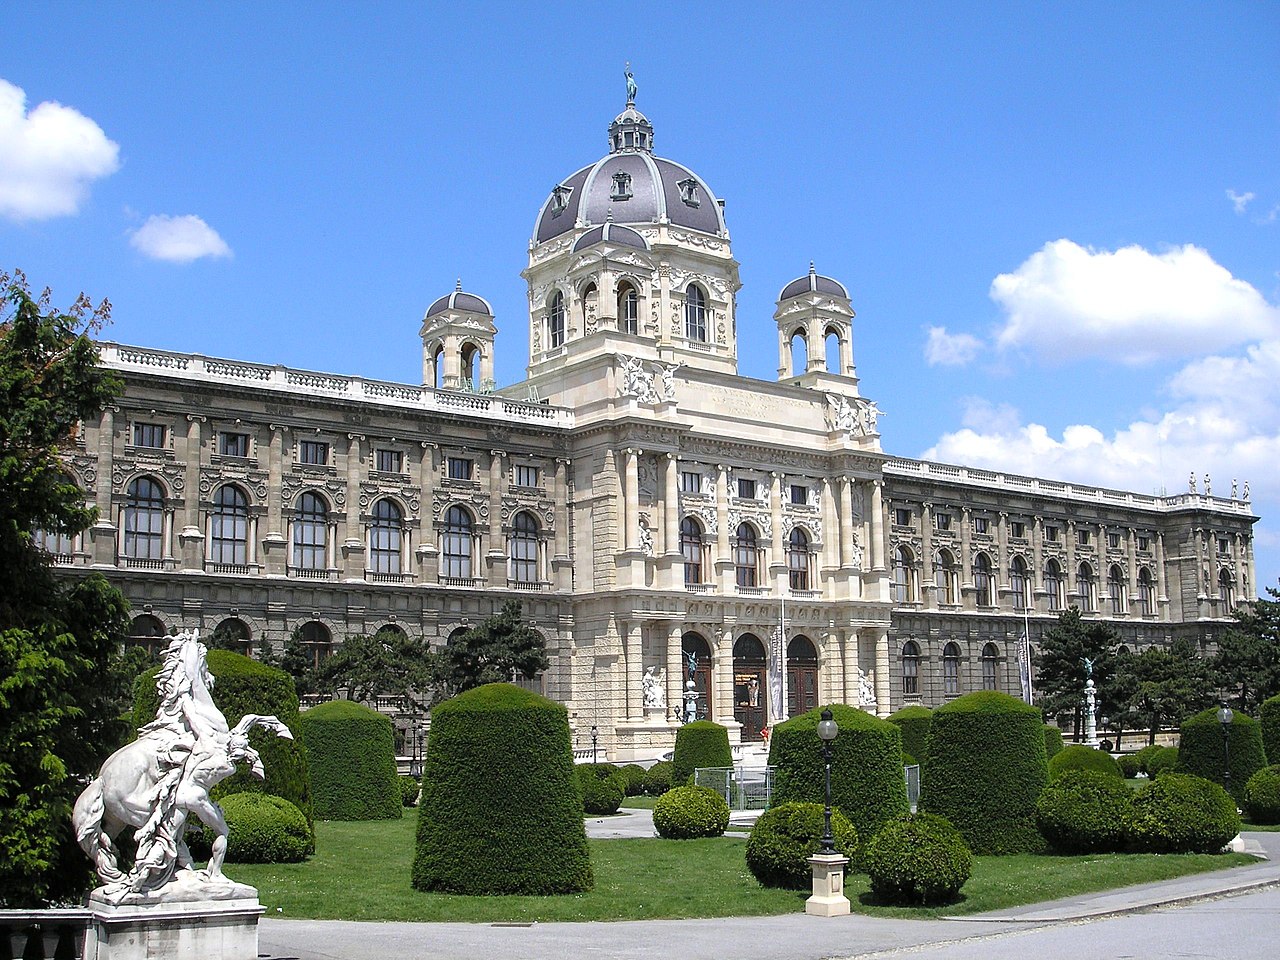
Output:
x=802 y=676
x=696 y=644
x=750 y=686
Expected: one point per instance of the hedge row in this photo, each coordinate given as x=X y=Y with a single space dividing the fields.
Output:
x=914 y=722
x=1269 y=721
x=1203 y=748
x=352 y=761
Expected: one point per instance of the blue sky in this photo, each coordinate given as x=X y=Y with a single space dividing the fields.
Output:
x=1060 y=224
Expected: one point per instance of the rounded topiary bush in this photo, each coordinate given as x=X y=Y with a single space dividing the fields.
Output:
x=914 y=722
x=1262 y=795
x=243 y=685
x=786 y=836
x=1180 y=813
x=1269 y=724
x=1203 y=749
x=500 y=811
x=1160 y=760
x=264 y=829
x=699 y=744
x=1078 y=756
x=409 y=790
x=685 y=813
x=867 y=785
x=657 y=779
x=351 y=757
x=919 y=859
x=603 y=787
x=1130 y=765
x=633 y=775
x=1083 y=811
x=1052 y=741
x=985 y=772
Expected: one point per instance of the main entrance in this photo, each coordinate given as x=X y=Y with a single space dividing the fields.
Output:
x=802 y=676
x=696 y=644
x=750 y=686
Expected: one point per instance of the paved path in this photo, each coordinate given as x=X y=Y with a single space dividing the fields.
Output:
x=629 y=822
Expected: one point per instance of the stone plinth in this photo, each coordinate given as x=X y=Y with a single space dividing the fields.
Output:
x=828 y=898
x=181 y=922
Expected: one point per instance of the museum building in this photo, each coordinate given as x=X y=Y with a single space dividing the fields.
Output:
x=652 y=508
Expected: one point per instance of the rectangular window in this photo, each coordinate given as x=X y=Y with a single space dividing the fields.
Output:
x=1144 y=542
x=1082 y=537
x=980 y=524
x=690 y=481
x=388 y=461
x=1051 y=534
x=148 y=435
x=746 y=488
x=942 y=521
x=1017 y=529
x=526 y=475
x=799 y=494
x=459 y=468
x=1113 y=541
x=313 y=452
x=233 y=444
x=1224 y=545
x=902 y=517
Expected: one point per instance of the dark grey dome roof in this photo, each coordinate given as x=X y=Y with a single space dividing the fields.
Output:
x=458 y=300
x=813 y=283
x=614 y=233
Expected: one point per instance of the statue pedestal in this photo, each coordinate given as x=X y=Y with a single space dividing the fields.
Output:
x=828 y=898
x=180 y=922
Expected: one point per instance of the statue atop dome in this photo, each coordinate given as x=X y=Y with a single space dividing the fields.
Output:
x=631 y=86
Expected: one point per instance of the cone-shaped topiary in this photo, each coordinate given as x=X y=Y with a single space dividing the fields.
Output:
x=699 y=744
x=1180 y=813
x=1203 y=748
x=914 y=722
x=1269 y=721
x=686 y=813
x=986 y=769
x=1083 y=811
x=1079 y=756
x=351 y=757
x=919 y=859
x=500 y=811
x=1052 y=741
x=786 y=836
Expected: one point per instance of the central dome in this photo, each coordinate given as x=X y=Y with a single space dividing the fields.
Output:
x=630 y=185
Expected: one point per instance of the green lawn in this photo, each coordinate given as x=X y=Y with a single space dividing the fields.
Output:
x=361 y=872
x=640 y=803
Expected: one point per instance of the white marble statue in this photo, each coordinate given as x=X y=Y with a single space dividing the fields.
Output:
x=155 y=783
x=866 y=691
x=651 y=690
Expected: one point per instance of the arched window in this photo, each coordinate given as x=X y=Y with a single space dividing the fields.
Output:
x=469 y=353
x=311 y=533
x=523 y=557
x=317 y=640
x=990 y=667
x=746 y=556
x=232 y=634
x=904 y=589
x=147 y=632
x=1053 y=585
x=944 y=576
x=1018 y=584
x=951 y=669
x=229 y=527
x=628 y=309
x=456 y=549
x=802 y=676
x=982 y=580
x=798 y=559
x=1146 y=593
x=144 y=520
x=691 y=547
x=694 y=643
x=385 y=537
x=1226 y=588
x=695 y=313
x=832 y=342
x=1115 y=589
x=799 y=353
x=1084 y=587
x=59 y=546
x=437 y=367
x=555 y=321
x=911 y=669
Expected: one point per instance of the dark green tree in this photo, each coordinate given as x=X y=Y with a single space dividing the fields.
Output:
x=387 y=664
x=295 y=660
x=1060 y=667
x=1248 y=660
x=62 y=686
x=496 y=651
x=1164 y=685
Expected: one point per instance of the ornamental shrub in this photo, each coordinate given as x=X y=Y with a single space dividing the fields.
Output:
x=920 y=859
x=908 y=760
x=1262 y=795
x=867 y=785
x=500 y=811
x=603 y=787
x=1181 y=813
x=1079 y=756
x=657 y=779
x=699 y=744
x=352 y=760
x=633 y=775
x=1052 y=741
x=1161 y=760
x=686 y=813
x=1145 y=754
x=409 y=790
x=1084 y=811
x=1201 y=750
x=786 y=836
x=242 y=685
x=914 y=723
x=1269 y=722
x=264 y=829
x=985 y=772
x=1129 y=765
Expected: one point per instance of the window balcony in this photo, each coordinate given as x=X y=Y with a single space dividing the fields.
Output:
x=753 y=591
x=530 y=586
x=461 y=581
x=374 y=577
x=307 y=573
x=236 y=569
x=141 y=563
x=700 y=587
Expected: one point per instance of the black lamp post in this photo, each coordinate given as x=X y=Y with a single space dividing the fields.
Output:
x=594 y=734
x=827 y=731
x=1225 y=716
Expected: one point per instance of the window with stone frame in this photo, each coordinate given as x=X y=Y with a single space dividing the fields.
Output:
x=459 y=468
x=746 y=556
x=311 y=533
x=233 y=444
x=982 y=572
x=386 y=460
x=695 y=313
x=144 y=520
x=691 y=546
x=1053 y=585
x=313 y=453
x=799 y=560
x=386 y=538
x=523 y=546
x=151 y=435
x=690 y=481
x=990 y=667
x=526 y=475
x=911 y=669
x=951 y=670
x=457 y=545
x=229 y=526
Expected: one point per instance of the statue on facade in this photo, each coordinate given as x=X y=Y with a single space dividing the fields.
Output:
x=637 y=382
x=1246 y=490
x=866 y=691
x=1191 y=482
x=155 y=783
x=841 y=414
x=1208 y=489
x=651 y=691
x=666 y=386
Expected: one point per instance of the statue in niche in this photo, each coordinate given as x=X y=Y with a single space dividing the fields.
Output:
x=857 y=557
x=646 y=537
x=652 y=692
x=866 y=690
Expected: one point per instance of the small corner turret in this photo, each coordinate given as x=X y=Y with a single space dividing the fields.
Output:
x=457 y=343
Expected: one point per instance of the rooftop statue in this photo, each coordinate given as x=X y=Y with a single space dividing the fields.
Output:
x=631 y=87
x=155 y=783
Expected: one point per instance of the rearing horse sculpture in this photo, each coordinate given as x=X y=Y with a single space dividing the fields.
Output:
x=155 y=783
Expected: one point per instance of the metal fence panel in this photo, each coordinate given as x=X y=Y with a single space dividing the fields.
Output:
x=743 y=788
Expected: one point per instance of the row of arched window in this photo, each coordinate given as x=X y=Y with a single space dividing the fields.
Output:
x=991 y=661
x=747 y=555
x=695 y=312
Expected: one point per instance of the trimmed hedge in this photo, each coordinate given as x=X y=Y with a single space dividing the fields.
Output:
x=1262 y=795
x=1129 y=765
x=1269 y=723
x=867 y=785
x=919 y=859
x=1084 y=811
x=1052 y=741
x=1145 y=754
x=265 y=829
x=603 y=787
x=500 y=811
x=633 y=774
x=1200 y=751
x=914 y=722
x=986 y=770
x=699 y=744
x=1161 y=760
x=686 y=813
x=787 y=835
x=351 y=757
x=1180 y=813
x=410 y=787
x=241 y=686
x=657 y=779
x=1078 y=756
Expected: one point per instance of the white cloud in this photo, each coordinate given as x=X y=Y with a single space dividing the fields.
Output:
x=48 y=157
x=1129 y=305
x=178 y=239
x=950 y=349
x=1239 y=201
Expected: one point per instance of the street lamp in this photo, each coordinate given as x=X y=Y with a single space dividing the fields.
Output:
x=1225 y=716
x=594 y=734
x=827 y=731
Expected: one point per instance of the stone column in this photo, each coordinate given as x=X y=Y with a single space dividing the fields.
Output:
x=966 y=558
x=883 y=707
x=353 y=541
x=675 y=666
x=846 y=522
x=1002 y=561
x=671 y=508
x=877 y=526
x=830 y=527
x=496 y=556
x=562 y=561
x=1037 y=561
x=849 y=641
x=724 y=555
x=631 y=486
x=102 y=535
x=927 y=585
x=275 y=545
x=721 y=708
x=778 y=551
x=635 y=673
x=1200 y=564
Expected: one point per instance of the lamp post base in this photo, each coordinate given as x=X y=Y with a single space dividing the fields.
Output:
x=828 y=898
